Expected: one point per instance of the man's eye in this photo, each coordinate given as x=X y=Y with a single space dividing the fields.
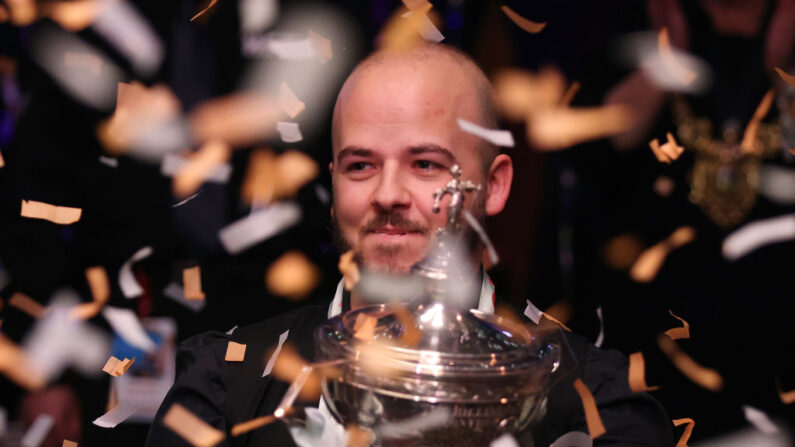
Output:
x=427 y=165
x=358 y=166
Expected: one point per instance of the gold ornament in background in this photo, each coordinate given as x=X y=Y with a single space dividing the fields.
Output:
x=725 y=177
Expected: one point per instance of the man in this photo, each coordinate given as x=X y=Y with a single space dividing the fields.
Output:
x=395 y=137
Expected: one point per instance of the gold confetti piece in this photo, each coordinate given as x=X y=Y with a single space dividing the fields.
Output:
x=253 y=424
x=2 y=161
x=289 y=365
x=705 y=377
x=358 y=437
x=520 y=93
x=200 y=13
x=22 y=12
x=239 y=118
x=98 y=283
x=688 y=430
x=414 y=4
x=570 y=93
x=75 y=15
x=191 y=428
x=192 y=283
x=235 y=352
x=621 y=251
x=787 y=397
x=792 y=151
x=62 y=215
x=411 y=334
x=295 y=170
x=523 y=23
x=124 y=365
x=668 y=152
x=270 y=178
x=651 y=260
x=595 y=426
x=138 y=110
x=671 y=62
x=788 y=78
x=558 y=313
x=292 y=276
x=111 y=366
x=85 y=311
x=560 y=128
x=364 y=327
x=678 y=332
x=290 y=103
x=27 y=304
x=402 y=34
x=200 y=164
x=749 y=143
x=637 y=374
x=68 y=443
x=14 y=364
x=322 y=47
x=349 y=269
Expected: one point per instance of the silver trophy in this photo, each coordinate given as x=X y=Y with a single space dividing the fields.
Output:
x=432 y=371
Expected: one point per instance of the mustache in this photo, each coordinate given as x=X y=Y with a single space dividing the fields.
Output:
x=396 y=220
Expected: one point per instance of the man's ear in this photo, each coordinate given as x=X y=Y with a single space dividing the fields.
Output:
x=499 y=181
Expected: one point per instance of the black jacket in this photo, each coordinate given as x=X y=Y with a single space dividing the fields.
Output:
x=226 y=393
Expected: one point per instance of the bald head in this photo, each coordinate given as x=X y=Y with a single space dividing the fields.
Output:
x=438 y=66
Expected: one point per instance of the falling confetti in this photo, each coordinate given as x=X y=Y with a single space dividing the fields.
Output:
x=650 y=261
x=788 y=78
x=192 y=282
x=191 y=428
x=207 y=8
x=290 y=103
x=592 y=419
x=523 y=23
x=749 y=143
x=671 y=61
x=292 y=276
x=201 y=164
x=705 y=377
x=493 y=136
x=350 y=271
x=667 y=152
x=62 y=215
x=678 y=333
x=637 y=374
x=688 y=430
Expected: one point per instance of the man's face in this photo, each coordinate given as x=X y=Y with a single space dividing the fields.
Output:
x=397 y=138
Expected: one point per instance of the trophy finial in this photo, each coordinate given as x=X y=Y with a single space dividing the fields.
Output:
x=456 y=189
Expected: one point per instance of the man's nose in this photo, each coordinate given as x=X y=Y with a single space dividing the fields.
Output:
x=391 y=192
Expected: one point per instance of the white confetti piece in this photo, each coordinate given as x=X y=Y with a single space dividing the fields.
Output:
x=601 y=337
x=259 y=226
x=182 y=202
x=58 y=341
x=758 y=234
x=409 y=427
x=257 y=15
x=82 y=71
x=777 y=184
x=573 y=439
x=283 y=46
x=38 y=431
x=484 y=237
x=116 y=416
x=760 y=420
x=321 y=430
x=322 y=194
x=124 y=28
x=129 y=286
x=272 y=360
x=289 y=132
x=127 y=325
x=427 y=29
x=493 y=136
x=177 y=293
x=3 y=421
x=109 y=161
x=532 y=312
x=380 y=287
x=231 y=331
x=172 y=163
x=505 y=440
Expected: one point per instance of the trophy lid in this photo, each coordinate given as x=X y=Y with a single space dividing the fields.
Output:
x=413 y=352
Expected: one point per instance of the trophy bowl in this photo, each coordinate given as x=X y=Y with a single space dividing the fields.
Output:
x=432 y=374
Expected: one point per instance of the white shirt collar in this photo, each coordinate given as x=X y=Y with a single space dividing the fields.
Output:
x=485 y=304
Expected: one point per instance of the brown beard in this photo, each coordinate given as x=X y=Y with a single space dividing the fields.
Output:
x=397 y=220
